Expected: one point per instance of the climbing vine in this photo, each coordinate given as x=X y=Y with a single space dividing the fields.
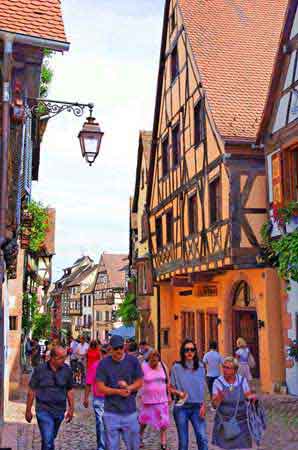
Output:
x=38 y=226
x=128 y=310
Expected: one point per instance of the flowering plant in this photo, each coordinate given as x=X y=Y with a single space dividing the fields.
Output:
x=285 y=214
x=293 y=350
x=282 y=253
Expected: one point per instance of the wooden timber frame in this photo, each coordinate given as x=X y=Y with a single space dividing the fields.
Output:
x=232 y=241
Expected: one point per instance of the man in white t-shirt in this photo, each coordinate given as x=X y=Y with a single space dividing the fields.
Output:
x=212 y=361
x=82 y=349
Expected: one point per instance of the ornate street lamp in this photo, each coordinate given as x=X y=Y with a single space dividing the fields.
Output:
x=90 y=139
x=90 y=136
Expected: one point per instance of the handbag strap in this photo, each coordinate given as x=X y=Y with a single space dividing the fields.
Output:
x=165 y=372
x=237 y=404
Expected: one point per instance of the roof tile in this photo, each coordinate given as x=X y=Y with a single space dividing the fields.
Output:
x=39 y=18
x=234 y=43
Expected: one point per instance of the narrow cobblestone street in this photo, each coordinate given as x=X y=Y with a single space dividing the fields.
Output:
x=80 y=434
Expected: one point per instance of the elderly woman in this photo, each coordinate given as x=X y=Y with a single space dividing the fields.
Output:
x=154 y=397
x=230 y=392
x=243 y=355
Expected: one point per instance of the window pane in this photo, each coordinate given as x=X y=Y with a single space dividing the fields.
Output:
x=158 y=232
x=169 y=219
x=175 y=146
x=193 y=214
x=165 y=164
x=293 y=114
x=294 y=30
x=198 y=123
x=289 y=79
x=214 y=201
x=174 y=64
x=281 y=116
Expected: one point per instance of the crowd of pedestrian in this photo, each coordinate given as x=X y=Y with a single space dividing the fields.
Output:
x=132 y=389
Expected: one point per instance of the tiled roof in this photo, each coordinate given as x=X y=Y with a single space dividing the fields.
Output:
x=39 y=18
x=82 y=274
x=234 y=43
x=115 y=265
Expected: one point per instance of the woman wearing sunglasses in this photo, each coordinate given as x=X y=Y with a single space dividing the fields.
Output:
x=230 y=392
x=188 y=384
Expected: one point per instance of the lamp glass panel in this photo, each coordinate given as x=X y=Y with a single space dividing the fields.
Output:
x=90 y=143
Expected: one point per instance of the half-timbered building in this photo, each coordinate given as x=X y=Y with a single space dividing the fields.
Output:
x=279 y=135
x=108 y=293
x=207 y=181
x=140 y=258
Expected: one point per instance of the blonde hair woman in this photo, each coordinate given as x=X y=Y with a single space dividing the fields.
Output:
x=230 y=392
x=243 y=356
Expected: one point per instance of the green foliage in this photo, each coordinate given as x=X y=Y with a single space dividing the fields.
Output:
x=29 y=311
x=293 y=350
x=41 y=326
x=282 y=252
x=46 y=74
x=286 y=250
x=128 y=311
x=39 y=225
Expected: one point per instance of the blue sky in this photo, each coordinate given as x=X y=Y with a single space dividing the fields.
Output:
x=113 y=62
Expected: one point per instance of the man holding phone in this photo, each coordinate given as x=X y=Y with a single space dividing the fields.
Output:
x=119 y=377
x=51 y=387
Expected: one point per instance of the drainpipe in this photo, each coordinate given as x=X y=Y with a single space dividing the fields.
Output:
x=6 y=87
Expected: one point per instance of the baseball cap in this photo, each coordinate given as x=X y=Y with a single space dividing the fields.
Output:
x=116 y=341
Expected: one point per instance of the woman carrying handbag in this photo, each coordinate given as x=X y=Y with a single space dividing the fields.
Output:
x=230 y=394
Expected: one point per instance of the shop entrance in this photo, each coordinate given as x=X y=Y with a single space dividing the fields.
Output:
x=245 y=322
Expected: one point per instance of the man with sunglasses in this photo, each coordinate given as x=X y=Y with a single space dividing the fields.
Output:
x=119 y=377
x=51 y=386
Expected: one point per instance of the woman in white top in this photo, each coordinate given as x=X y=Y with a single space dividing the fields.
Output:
x=242 y=354
x=230 y=392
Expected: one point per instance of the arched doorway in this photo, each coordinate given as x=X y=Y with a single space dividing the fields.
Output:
x=245 y=321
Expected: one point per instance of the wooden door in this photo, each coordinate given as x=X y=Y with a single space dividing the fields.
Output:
x=201 y=333
x=188 y=325
x=246 y=326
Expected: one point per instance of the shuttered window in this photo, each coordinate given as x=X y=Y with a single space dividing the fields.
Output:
x=188 y=325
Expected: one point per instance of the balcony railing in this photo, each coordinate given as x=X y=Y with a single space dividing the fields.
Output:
x=199 y=248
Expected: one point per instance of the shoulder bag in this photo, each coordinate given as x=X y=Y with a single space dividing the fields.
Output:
x=251 y=361
x=231 y=428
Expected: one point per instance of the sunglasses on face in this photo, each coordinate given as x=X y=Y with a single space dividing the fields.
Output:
x=228 y=367
x=189 y=350
x=120 y=347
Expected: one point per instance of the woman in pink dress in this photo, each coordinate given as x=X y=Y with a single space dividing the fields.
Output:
x=154 y=398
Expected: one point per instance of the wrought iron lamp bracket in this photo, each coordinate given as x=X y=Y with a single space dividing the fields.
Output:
x=45 y=108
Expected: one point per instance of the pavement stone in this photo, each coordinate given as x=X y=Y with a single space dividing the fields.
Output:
x=282 y=412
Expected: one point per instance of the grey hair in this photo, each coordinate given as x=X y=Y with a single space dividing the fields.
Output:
x=231 y=359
